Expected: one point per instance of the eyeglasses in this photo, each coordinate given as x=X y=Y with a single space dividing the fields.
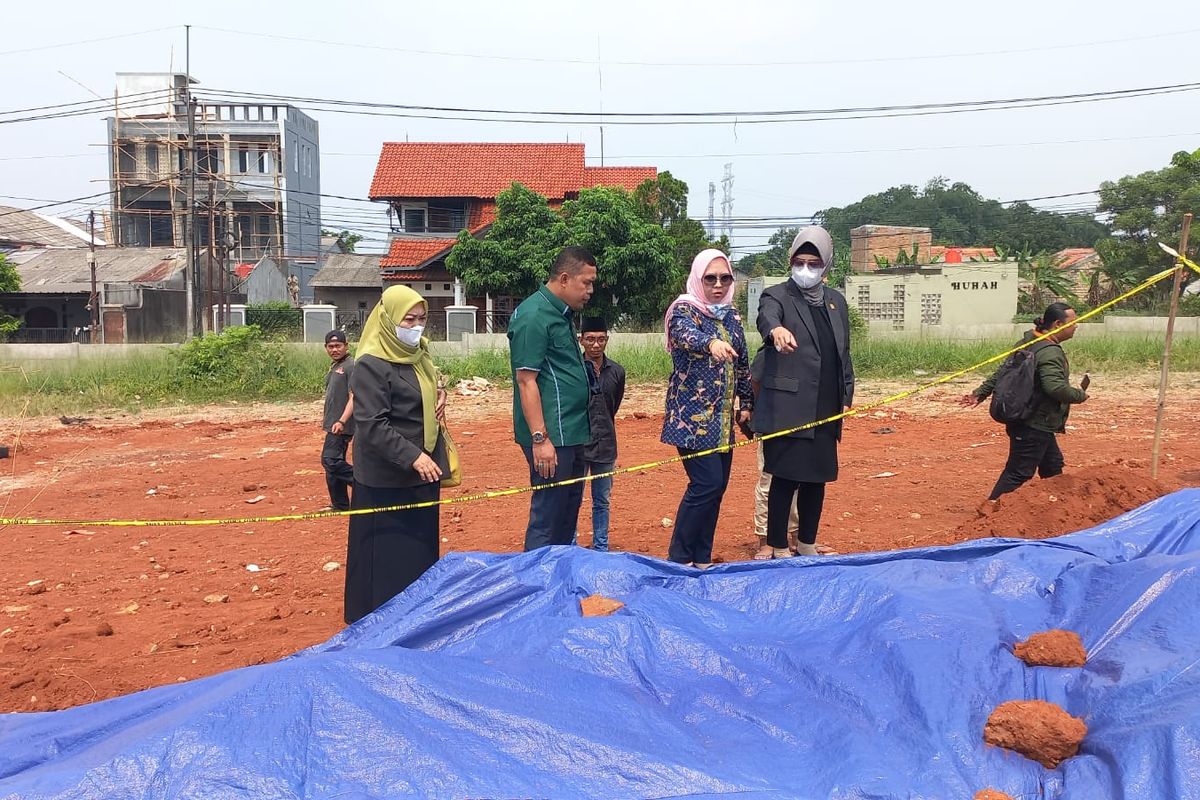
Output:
x=718 y=280
x=801 y=261
x=593 y=340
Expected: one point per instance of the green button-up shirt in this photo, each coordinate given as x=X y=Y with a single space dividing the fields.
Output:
x=542 y=339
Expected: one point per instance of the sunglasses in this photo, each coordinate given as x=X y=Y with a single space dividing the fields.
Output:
x=802 y=261
x=718 y=280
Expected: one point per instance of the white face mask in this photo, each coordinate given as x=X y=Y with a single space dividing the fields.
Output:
x=807 y=277
x=410 y=337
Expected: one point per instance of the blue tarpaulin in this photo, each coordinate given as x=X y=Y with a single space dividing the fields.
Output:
x=864 y=676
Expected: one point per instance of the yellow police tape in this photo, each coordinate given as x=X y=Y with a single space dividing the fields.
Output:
x=516 y=490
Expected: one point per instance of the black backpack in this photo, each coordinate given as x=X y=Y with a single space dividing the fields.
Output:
x=1016 y=393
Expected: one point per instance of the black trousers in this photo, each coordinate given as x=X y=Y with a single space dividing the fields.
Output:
x=554 y=513
x=810 y=500
x=338 y=473
x=387 y=551
x=1029 y=451
x=696 y=519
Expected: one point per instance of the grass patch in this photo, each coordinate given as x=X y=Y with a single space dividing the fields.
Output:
x=254 y=369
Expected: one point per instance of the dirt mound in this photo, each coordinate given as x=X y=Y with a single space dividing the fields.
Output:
x=1054 y=648
x=1065 y=503
x=1036 y=729
x=992 y=794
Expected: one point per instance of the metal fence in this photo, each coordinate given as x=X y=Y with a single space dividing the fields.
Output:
x=50 y=335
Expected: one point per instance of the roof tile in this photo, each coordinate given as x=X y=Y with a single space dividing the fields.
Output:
x=414 y=252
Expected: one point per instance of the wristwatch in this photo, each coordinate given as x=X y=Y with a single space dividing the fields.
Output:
x=538 y=437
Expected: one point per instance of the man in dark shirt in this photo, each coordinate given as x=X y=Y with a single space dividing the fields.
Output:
x=338 y=422
x=606 y=379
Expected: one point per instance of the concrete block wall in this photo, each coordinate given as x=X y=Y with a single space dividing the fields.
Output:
x=868 y=241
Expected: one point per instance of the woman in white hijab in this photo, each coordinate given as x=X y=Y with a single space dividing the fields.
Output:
x=806 y=376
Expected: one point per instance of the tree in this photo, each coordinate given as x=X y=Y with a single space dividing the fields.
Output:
x=957 y=214
x=773 y=260
x=1147 y=209
x=10 y=281
x=346 y=240
x=515 y=255
x=663 y=201
x=1047 y=282
x=638 y=273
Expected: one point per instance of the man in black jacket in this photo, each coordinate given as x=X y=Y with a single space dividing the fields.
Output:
x=606 y=379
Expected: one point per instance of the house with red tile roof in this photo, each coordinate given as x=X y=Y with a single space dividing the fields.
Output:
x=434 y=190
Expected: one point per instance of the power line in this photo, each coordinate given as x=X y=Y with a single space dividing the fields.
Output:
x=867 y=151
x=88 y=41
x=743 y=117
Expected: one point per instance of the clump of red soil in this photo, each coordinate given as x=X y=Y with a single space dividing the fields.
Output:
x=1036 y=729
x=992 y=794
x=597 y=605
x=1063 y=504
x=1054 y=648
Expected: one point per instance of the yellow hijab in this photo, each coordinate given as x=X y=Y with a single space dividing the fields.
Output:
x=379 y=339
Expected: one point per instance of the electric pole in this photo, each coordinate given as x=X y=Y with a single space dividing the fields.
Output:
x=189 y=274
x=94 y=300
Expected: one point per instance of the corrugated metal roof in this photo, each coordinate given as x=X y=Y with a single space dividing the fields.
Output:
x=348 y=270
x=67 y=271
x=22 y=227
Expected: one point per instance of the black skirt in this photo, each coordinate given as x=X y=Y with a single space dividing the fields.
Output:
x=387 y=551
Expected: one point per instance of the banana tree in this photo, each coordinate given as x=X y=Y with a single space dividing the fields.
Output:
x=1046 y=282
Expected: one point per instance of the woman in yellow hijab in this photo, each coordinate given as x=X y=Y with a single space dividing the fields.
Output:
x=399 y=454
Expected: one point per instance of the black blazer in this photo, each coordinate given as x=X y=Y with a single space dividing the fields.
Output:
x=389 y=425
x=787 y=396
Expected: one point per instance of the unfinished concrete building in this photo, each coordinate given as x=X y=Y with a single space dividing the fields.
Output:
x=260 y=163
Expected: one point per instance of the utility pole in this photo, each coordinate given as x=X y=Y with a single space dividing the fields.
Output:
x=94 y=300
x=189 y=275
x=1164 y=376
x=212 y=242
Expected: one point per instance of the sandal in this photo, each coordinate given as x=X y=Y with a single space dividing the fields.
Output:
x=781 y=552
x=763 y=553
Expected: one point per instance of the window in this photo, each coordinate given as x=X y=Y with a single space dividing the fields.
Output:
x=413 y=219
x=208 y=160
x=126 y=166
x=244 y=159
x=429 y=287
x=445 y=287
x=362 y=304
x=152 y=159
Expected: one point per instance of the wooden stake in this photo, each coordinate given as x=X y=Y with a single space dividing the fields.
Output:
x=1166 y=360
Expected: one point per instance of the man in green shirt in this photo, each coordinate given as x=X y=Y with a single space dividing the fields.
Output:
x=550 y=395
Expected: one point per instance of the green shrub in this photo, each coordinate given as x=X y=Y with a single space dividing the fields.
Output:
x=277 y=320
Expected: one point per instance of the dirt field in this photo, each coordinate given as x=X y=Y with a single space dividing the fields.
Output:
x=90 y=613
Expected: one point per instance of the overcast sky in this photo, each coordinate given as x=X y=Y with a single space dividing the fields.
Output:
x=695 y=56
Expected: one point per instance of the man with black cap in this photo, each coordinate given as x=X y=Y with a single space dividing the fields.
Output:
x=338 y=422
x=606 y=380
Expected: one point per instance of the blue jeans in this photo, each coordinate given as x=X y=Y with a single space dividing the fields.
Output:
x=696 y=520
x=553 y=513
x=601 y=490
